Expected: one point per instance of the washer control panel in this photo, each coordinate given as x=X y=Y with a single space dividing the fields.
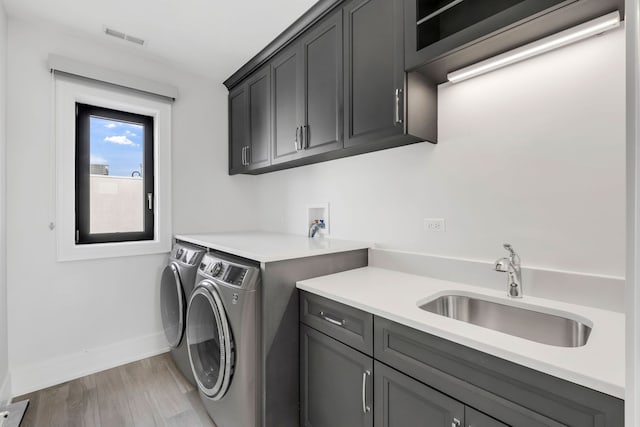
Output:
x=224 y=271
x=186 y=254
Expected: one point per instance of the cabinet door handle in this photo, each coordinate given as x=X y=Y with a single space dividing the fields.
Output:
x=247 y=155
x=332 y=321
x=398 y=119
x=295 y=143
x=306 y=137
x=456 y=423
x=244 y=156
x=365 y=407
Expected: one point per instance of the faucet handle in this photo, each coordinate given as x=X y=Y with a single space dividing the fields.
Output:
x=508 y=247
x=512 y=254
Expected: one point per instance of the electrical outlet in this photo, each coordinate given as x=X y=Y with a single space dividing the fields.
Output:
x=435 y=225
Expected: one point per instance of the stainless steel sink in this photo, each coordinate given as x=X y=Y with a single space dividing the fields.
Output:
x=524 y=323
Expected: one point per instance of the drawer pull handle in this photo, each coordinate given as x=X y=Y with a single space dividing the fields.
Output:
x=365 y=407
x=332 y=321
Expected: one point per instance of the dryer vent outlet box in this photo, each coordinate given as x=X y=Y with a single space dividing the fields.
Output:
x=319 y=212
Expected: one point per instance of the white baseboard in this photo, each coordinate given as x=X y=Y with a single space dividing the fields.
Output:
x=5 y=390
x=36 y=376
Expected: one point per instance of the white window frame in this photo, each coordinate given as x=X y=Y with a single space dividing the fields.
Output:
x=69 y=91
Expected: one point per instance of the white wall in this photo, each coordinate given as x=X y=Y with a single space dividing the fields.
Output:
x=67 y=319
x=533 y=154
x=5 y=385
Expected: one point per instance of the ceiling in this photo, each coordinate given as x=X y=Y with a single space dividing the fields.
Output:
x=209 y=37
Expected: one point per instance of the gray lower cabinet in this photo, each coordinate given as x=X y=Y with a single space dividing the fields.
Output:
x=336 y=387
x=401 y=401
x=474 y=418
x=422 y=380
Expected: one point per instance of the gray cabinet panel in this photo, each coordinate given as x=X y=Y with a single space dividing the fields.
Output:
x=238 y=127
x=374 y=69
x=509 y=392
x=331 y=383
x=322 y=53
x=401 y=401
x=285 y=76
x=351 y=326
x=474 y=418
x=259 y=92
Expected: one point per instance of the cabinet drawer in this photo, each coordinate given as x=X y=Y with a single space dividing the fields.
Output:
x=504 y=390
x=346 y=324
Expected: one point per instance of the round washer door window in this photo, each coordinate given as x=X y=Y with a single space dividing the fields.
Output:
x=172 y=305
x=209 y=341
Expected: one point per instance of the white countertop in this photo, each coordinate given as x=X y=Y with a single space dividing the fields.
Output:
x=269 y=247
x=599 y=365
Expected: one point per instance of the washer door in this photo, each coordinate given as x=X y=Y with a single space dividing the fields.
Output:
x=209 y=340
x=172 y=305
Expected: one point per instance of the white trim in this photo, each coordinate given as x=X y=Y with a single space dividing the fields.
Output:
x=37 y=376
x=632 y=295
x=93 y=72
x=5 y=391
x=70 y=91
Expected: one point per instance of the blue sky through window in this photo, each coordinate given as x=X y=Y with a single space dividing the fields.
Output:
x=117 y=144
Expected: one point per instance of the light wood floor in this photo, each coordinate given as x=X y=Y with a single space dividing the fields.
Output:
x=150 y=392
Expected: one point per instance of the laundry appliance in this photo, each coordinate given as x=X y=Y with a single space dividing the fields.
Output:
x=178 y=280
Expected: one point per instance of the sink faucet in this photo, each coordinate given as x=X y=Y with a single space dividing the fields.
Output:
x=315 y=227
x=511 y=266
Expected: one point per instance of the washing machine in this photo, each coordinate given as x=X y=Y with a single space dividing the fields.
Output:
x=178 y=280
x=223 y=339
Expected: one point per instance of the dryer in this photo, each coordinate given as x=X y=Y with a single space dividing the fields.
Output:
x=223 y=338
x=178 y=279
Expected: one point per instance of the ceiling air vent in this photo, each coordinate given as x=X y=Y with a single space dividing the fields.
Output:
x=120 y=35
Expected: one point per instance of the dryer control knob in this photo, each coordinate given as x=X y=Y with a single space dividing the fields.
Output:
x=216 y=268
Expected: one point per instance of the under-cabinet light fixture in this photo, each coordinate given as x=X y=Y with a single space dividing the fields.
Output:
x=563 y=38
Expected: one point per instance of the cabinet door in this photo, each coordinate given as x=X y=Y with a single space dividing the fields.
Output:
x=286 y=89
x=259 y=93
x=323 y=89
x=474 y=418
x=335 y=383
x=238 y=128
x=374 y=70
x=401 y=401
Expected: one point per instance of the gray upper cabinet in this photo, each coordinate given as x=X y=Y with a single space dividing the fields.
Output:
x=336 y=388
x=307 y=93
x=322 y=71
x=286 y=93
x=259 y=93
x=374 y=70
x=250 y=123
x=401 y=401
x=238 y=128
x=384 y=106
x=355 y=76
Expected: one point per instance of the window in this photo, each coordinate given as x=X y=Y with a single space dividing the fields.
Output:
x=114 y=175
x=130 y=173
